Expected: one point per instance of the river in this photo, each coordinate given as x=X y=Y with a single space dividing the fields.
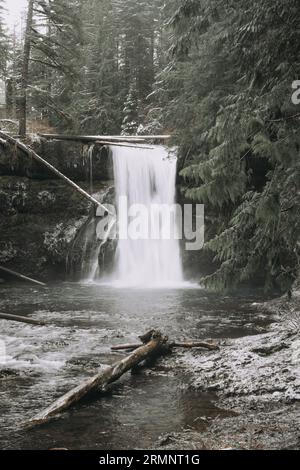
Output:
x=84 y=321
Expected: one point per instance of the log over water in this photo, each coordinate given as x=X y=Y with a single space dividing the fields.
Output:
x=17 y=318
x=121 y=144
x=155 y=345
x=115 y=138
x=184 y=345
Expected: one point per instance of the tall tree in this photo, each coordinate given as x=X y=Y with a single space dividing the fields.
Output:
x=139 y=23
x=55 y=61
x=130 y=122
x=3 y=42
x=49 y=59
x=89 y=57
x=230 y=103
x=122 y=52
x=100 y=93
x=22 y=98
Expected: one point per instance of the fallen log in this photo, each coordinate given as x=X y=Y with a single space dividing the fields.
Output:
x=155 y=345
x=21 y=276
x=122 y=144
x=31 y=153
x=17 y=318
x=196 y=344
x=185 y=345
x=112 y=138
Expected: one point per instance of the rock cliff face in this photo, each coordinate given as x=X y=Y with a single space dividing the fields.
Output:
x=40 y=216
x=198 y=263
x=70 y=158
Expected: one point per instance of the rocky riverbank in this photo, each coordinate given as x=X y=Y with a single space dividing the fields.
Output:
x=257 y=381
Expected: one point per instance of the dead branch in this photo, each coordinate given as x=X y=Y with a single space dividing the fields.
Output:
x=21 y=276
x=185 y=345
x=17 y=318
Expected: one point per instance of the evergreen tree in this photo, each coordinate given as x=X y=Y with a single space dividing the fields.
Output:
x=22 y=96
x=136 y=23
x=122 y=52
x=4 y=46
x=230 y=103
x=100 y=94
x=54 y=40
x=131 y=118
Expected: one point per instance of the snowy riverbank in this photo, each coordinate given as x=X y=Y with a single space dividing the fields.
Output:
x=257 y=380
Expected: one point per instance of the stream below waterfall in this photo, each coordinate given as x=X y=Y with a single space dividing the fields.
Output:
x=84 y=321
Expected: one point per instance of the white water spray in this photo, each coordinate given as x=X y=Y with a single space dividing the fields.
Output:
x=148 y=177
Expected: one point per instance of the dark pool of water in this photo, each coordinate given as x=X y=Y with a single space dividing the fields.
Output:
x=42 y=363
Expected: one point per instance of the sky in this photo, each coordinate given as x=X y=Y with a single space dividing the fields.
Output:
x=14 y=10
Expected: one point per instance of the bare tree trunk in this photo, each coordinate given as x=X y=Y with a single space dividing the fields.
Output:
x=17 y=318
x=155 y=344
x=183 y=344
x=9 y=98
x=31 y=153
x=21 y=276
x=22 y=99
x=136 y=139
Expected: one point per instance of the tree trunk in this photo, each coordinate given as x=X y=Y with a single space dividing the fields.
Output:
x=35 y=156
x=138 y=139
x=22 y=99
x=21 y=276
x=17 y=318
x=121 y=144
x=9 y=98
x=175 y=344
x=156 y=345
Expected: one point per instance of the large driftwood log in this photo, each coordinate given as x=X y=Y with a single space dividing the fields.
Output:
x=17 y=318
x=184 y=345
x=156 y=344
x=31 y=153
x=21 y=276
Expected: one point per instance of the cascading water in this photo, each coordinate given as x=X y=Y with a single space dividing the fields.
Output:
x=147 y=177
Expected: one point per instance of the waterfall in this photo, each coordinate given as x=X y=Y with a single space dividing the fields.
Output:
x=148 y=177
